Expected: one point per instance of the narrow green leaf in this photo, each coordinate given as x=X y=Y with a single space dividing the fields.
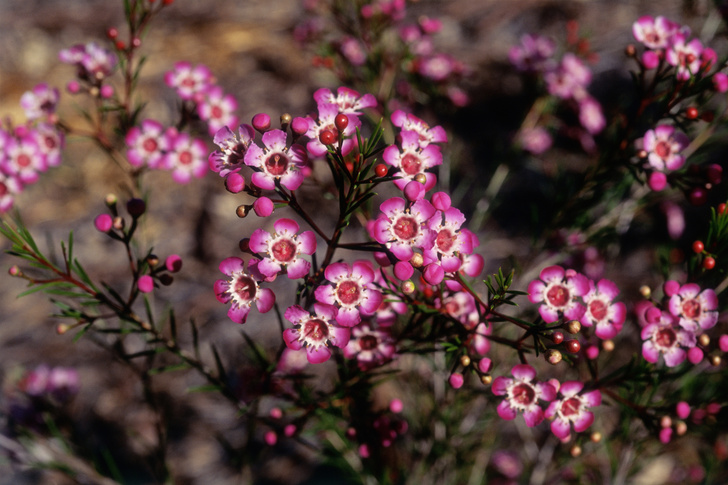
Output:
x=222 y=375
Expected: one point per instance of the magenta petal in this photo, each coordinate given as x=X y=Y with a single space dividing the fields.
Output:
x=523 y=372
x=403 y=252
x=296 y=314
x=266 y=300
x=575 y=312
x=263 y=181
x=608 y=288
x=292 y=179
x=269 y=268
x=298 y=269
x=372 y=301
x=505 y=411
x=533 y=416
x=551 y=273
x=535 y=291
x=307 y=241
x=325 y=294
x=571 y=388
x=340 y=336
x=254 y=156
x=238 y=314
x=231 y=265
x=290 y=337
x=318 y=355
x=348 y=317
x=650 y=352
x=275 y=140
x=551 y=410
x=560 y=428
x=583 y=421
x=335 y=271
x=500 y=385
x=674 y=356
x=548 y=392
x=450 y=263
x=592 y=398
x=221 y=287
x=284 y=226
x=363 y=270
x=324 y=311
x=259 y=241
x=548 y=314
x=392 y=205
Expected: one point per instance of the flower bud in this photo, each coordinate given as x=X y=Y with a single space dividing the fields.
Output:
x=106 y=91
x=145 y=283
x=111 y=200
x=407 y=287
x=715 y=360
x=723 y=342
x=456 y=380
x=152 y=260
x=704 y=340
x=421 y=178
x=276 y=413
x=396 y=406
x=244 y=245
x=666 y=421
x=557 y=337
x=573 y=326
x=103 y=222
x=263 y=207
x=299 y=125
x=136 y=207
x=15 y=271
x=403 y=270
x=592 y=352
x=433 y=274
x=682 y=410
x=441 y=201
x=417 y=260
x=173 y=263
x=464 y=360
x=553 y=356
x=165 y=279
x=484 y=365
x=289 y=430
x=695 y=355
x=595 y=437
x=486 y=379
x=657 y=181
x=242 y=211
x=62 y=328
x=261 y=122
x=645 y=291
x=271 y=438
x=73 y=87
x=681 y=428
x=575 y=451
x=234 y=183
x=118 y=223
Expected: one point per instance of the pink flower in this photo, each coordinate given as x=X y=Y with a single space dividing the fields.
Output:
x=413 y=160
x=314 y=331
x=276 y=162
x=352 y=291
x=534 y=53
x=663 y=145
x=654 y=33
x=558 y=291
x=283 y=249
x=591 y=116
x=218 y=109
x=535 y=140
x=353 y=51
x=696 y=309
x=437 y=67
x=606 y=316
x=685 y=56
x=570 y=79
x=41 y=102
x=190 y=83
x=427 y=135
x=230 y=155
x=661 y=337
x=187 y=156
x=50 y=141
x=401 y=229
x=370 y=347
x=349 y=101
x=242 y=289
x=326 y=122
x=93 y=61
x=572 y=409
x=146 y=144
x=522 y=394
x=449 y=241
x=145 y=283
x=23 y=159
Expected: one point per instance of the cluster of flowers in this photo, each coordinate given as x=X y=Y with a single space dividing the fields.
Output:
x=29 y=149
x=674 y=327
x=417 y=52
x=668 y=42
x=40 y=389
x=566 y=79
x=683 y=412
x=152 y=145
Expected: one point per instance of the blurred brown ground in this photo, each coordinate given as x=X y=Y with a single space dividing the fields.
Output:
x=247 y=44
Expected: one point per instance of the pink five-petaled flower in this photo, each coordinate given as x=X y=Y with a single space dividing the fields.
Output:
x=449 y=242
x=10 y=186
x=276 y=161
x=41 y=102
x=369 y=347
x=352 y=291
x=557 y=290
x=663 y=145
x=608 y=317
x=684 y=55
x=661 y=337
x=23 y=159
x=283 y=248
x=315 y=332
x=522 y=394
x=349 y=101
x=413 y=160
x=231 y=154
x=217 y=109
x=402 y=229
x=186 y=156
x=427 y=135
x=695 y=309
x=572 y=409
x=241 y=289
x=654 y=33
x=190 y=83
x=146 y=144
x=327 y=122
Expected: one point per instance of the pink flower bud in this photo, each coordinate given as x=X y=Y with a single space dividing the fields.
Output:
x=403 y=270
x=456 y=380
x=683 y=410
x=263 y=207
x=145 y=283
x=396 y=406
x=671 y=287
x=720 y=82
x=441 y=201
x=271 y=438
x=261 y=122
x=103 y=222
x=723 y=342
x=364 y=451
x=276 y=413
x=665 y=435
x=484 y=365
x=414 y=191
x=289 y=430
x=73 y=87
x=695 y=355
x=650 y=59
x=554 y=383
x=433 y=273
x=107 y=91
x=592 y=352
x=657 y=181
x=713 y=408
x=299 y=125
x=234 y=183
x=173 y=263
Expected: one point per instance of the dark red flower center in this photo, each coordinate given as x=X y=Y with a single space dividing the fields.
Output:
x=666 y=337
x=368 y=342
x=276 y=164
x=23 y=160
x=524 y=394
x=691 y=308
x=411 y=164
x=216 y=112
x=598 y=309
x=3 y=189
x=50 y=142
x=283 y=250
x=570 y=406
x=348 y=292
x=150 y=144
x=245 y=288
x=445 y=240
x=558 y=295
x=406 y=227
x=662 y=149
x=185 y=158
x=315 y=329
